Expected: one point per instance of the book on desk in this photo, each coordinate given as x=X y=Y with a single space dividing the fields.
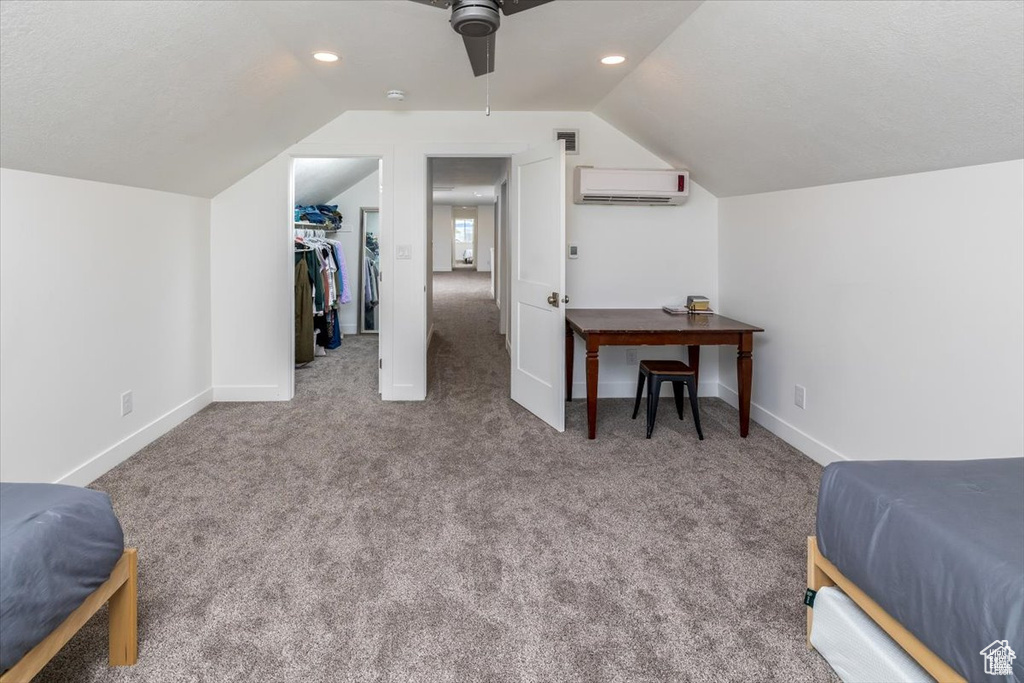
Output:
x=695 y=305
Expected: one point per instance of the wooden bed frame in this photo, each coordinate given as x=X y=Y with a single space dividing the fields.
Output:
x=121 y=590
x=822 y=573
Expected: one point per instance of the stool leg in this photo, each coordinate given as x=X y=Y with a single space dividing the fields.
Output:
x=639 y=393
x=677 y=389
x=691 y=382
x=653 y=393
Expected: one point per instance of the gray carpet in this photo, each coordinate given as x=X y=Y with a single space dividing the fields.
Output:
x=338 y=538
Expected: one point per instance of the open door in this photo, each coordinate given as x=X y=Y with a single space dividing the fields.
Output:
x=537 y=241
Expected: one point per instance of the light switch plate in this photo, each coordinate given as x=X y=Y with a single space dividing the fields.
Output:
x=403 y=252
x=800 y=396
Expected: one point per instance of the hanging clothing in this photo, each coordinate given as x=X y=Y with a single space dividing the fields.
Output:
x=303 y=311
x=346 y=291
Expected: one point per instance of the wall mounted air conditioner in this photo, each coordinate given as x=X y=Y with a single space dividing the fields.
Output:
x=621 y=186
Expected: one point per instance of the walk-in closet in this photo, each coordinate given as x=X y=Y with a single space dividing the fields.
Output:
x=337 y=267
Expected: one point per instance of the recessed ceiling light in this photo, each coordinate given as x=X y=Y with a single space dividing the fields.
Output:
x=396 y=95
x=613 y=59
x=325 y=56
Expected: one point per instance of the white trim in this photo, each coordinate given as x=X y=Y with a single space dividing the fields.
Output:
x=802 y=441
x=257 y=392
x=406 y=392
x=95 y=467
x=623 y=389
x=350 y=328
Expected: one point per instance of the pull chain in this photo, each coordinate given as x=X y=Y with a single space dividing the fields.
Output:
x=488 y=76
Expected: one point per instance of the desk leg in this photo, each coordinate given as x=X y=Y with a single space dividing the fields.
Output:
x=744 y=377
x=693 y=353
x=570 y=349
x=591 y=389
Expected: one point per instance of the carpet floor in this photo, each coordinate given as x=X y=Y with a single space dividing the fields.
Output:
x=339 y=538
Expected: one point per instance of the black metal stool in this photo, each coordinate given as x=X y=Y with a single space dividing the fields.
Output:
x=658 y=371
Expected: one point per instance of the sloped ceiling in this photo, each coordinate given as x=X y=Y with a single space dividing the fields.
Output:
x=191 y=96
x=317 y=181
x=759 y=96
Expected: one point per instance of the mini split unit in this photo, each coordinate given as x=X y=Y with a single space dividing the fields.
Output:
x=630 y=187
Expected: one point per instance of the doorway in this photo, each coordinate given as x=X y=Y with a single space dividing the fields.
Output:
x=336 y=232
x=463 y=233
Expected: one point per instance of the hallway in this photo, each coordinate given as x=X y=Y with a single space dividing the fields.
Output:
x=338 y=537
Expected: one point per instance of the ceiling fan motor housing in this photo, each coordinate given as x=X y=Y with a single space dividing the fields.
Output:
x=475 y=18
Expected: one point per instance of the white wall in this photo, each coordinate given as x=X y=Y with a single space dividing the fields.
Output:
x=364 y=194
x=103 y=289
x=484 y=236
x=898 y=303
x=442 y=238
x=630 y=256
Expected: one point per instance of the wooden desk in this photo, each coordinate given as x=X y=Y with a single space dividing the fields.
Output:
x=653 y=327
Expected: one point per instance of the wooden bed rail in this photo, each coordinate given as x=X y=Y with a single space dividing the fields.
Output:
x=121 y=590
x=822 y=573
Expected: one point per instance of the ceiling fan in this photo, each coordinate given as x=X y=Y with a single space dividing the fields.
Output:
x=477 y=21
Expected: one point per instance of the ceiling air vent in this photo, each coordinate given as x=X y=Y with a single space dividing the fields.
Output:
x=572 y=139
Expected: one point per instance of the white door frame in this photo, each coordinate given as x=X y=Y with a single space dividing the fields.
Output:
x=455 y=149
x=385 y=338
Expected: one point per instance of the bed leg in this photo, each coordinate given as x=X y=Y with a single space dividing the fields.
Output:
x=816 y=580
x=124 y=621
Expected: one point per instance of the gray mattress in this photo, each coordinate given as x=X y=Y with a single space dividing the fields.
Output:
x=939 y=545
x=57 y=545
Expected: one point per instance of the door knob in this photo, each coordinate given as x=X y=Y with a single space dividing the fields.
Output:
x=553 y=299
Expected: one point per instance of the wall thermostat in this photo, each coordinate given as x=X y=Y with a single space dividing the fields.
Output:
x=574 y=251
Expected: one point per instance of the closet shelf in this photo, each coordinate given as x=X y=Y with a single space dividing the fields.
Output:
x=305 y=225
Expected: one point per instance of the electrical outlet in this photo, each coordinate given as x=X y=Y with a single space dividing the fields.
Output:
x=800 y=396
x=631 y=356
x=126 y=403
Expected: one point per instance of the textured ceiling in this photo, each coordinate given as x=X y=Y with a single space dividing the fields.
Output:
x=190 y=96
x=317 y=181
x=759 y=96
x=751 y=96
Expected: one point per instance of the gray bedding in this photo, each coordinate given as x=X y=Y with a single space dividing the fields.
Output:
x=939 y=545
x=57 y=545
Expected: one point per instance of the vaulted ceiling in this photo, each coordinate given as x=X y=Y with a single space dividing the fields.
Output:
x=755 y=96
x=318 y=181
x=190 y=96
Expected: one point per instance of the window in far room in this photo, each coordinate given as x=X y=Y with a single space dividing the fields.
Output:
x=464 y=229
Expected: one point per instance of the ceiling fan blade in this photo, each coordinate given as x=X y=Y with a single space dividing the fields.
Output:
x=440 y=4
x=478 y=51
x=516 y=6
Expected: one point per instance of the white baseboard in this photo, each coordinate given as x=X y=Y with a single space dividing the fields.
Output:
x=95 y=467
x=621 y=389
x=800 y=440
x=258 y=392
x=350 y=328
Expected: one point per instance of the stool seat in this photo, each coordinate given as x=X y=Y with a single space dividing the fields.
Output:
x=683 y=379
x=666 y=367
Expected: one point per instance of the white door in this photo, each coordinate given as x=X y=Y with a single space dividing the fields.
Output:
x=537 y=236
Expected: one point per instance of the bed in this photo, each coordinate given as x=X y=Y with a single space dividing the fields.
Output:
x=62 y=557
x=933 y=551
